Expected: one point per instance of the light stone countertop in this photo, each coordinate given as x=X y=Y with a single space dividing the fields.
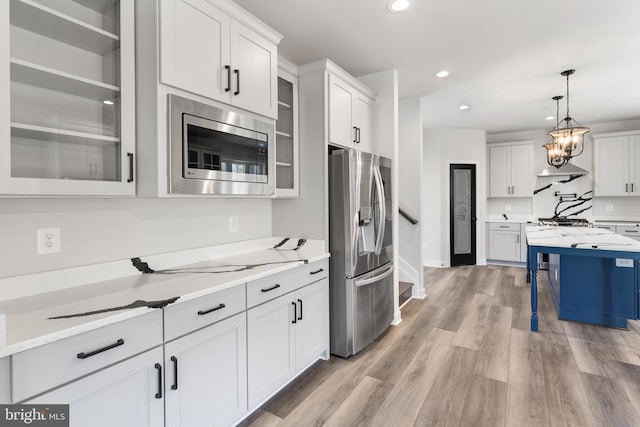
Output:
x=27 y=318
x=580 y=238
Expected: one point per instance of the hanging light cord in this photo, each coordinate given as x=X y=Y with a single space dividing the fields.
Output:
x=568 y=118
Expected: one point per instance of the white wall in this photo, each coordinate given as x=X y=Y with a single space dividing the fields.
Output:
x=543 y=203
x=410 y=141
x=443 y=147
x=100 y=230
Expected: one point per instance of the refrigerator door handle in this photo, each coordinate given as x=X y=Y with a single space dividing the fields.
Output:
x=383 y=213
x=364 y=282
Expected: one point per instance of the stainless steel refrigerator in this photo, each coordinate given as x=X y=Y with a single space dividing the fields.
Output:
x=360 y=242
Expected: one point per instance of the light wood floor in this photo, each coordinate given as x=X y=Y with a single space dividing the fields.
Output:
x=464 y=356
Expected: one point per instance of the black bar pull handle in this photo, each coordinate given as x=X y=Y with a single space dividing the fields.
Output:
x=203 y=312
x=300 y=301
x=130 y=167
x=295 y=312
x=174 y=386
x=159 y=368
x=317 y=271
x=276 y=286
x=358 y=133
x=237 y=73
x=100 y=350
x=228 y=68
x=355 y=134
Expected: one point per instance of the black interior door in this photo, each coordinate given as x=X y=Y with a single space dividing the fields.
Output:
x=462 y=214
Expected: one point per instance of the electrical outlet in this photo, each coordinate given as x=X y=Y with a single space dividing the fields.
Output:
x=233 y=224
x=507 y=208
x=609 y=208
x=48 y=240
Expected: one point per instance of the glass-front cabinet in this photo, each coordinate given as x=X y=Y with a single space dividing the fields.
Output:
x=287 y=136
x=67 y=90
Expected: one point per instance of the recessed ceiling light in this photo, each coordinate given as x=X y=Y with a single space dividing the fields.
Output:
x=106 y=101
x=550 y=117
x=463 y=107
x=398 y=5
x=442 y=73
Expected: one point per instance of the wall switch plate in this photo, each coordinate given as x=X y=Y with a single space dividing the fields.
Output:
x=48 y=240
x=609 y=208
x=233 y=224
x=507 y=208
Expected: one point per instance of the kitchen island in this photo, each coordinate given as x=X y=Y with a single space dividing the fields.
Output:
x=595 y=276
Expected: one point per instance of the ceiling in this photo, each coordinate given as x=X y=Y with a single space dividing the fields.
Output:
x=505 y=56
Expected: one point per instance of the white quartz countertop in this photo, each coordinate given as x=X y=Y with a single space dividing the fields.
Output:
x=28 y=322
x=580 y=238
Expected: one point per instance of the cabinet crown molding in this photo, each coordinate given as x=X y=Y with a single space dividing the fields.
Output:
x=244 y=17
x=510 y=143
x=331 y=67
x=619 y=133
x=287 y=66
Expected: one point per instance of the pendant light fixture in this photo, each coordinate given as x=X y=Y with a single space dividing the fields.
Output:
x=556 y=154
x=571 y=136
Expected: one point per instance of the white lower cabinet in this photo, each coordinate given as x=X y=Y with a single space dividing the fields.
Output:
x=311 y=324
x=505 y=242
x=206 y=375
x=215 y=362
x=284 y=336
x=128 y=394
x=5 y=375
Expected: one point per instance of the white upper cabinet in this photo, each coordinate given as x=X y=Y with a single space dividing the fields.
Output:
x=188 y=27
x=205 y=51
x=255 y=71
x=616 y=166
x=511 y=170
x=68 y=98
x=287 y=162
x=350 y=115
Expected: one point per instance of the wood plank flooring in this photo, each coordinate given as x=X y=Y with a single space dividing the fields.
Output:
x=464 y=356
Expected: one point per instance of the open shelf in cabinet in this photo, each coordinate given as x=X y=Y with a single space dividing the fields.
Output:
x=37 y=18
x=97 y=5
x=22 y=130
x=71 y=98
x=48 y=78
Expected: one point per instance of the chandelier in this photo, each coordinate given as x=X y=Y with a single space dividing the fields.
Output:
x=567 y=141
x=556 y=155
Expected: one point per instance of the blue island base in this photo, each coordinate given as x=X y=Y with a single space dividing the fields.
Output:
x=593 y=290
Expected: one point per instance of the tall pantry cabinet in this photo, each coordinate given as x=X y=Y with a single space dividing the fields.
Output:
x=67 y=98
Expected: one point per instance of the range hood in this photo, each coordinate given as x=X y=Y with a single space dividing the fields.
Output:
x=564 y=170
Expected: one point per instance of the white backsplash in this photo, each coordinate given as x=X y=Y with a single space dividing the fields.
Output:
x=102 y=230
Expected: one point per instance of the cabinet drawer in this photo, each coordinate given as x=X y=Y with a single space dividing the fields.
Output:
x=629 y=231
x=180 y=319
x=513 y=226
x=268 y=288
x=50 y=365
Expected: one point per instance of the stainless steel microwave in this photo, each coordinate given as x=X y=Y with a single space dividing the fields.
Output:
x=216 y=151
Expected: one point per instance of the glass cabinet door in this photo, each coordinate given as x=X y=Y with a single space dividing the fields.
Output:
x=69 y=97
x=287 y=137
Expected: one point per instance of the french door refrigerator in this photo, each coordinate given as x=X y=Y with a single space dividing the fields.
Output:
x=360 y=242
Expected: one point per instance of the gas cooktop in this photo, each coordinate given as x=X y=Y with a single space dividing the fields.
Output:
x=563 y=221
